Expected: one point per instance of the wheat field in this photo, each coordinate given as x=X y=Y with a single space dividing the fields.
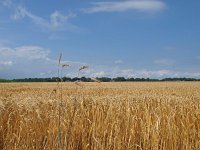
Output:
x=100 y=116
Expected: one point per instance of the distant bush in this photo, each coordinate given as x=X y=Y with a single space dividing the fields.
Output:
x=5 y=80
x=102 y=79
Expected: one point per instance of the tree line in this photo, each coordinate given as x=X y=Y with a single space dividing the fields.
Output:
x=102 y=79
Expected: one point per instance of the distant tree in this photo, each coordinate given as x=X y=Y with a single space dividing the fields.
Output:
x=119 y=79
x=131 y=79
x=75 y=79
x=84 y=79
x=5 y=80
x=66 y=79
x=104 y=79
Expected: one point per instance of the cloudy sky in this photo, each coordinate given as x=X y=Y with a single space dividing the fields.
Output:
x=130 y=38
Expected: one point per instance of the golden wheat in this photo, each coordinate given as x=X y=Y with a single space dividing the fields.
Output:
x=106 y=116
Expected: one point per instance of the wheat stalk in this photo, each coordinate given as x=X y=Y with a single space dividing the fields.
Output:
x=61 y=99
x=59 y=107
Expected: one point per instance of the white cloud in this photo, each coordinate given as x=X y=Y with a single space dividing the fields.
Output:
x=120 y=6
x=129 y=73
x=35 y=61
x=99 y=74
x=57 y=22
x=157 y=73
x=20 y=13
x=32 y=61
x=154 y=73
x=118 y=62
x=25 y=61
x=164 y=62
x=191 y=74
x=32 y=52
x=6 y=63
x=6 y=3
x=24 y=52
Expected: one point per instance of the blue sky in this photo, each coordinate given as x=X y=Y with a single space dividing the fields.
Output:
x=130 y=38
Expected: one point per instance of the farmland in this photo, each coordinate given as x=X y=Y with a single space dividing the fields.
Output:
x=106 y=116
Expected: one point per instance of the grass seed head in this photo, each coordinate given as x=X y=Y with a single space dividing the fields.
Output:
x=65 y=65
x=83 y=67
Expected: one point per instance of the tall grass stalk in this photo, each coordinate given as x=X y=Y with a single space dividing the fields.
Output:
x=60 y=101
x=60 y=107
